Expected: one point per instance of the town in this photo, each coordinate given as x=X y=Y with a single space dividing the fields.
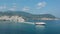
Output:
x=17 y=18
x=12 y=18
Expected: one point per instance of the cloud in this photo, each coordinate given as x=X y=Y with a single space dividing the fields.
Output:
x=41 y=4
x=26 y=9
x=1 y=7
x=14 y=3
x=4 y=6
x=14 y=6
x=12 y=9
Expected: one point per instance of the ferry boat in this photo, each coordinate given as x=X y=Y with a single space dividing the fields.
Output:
x=40 y=23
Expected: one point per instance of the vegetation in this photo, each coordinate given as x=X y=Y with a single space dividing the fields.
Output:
x=26 y=16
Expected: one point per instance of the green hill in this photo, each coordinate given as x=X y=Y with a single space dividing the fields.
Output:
x=26 y=16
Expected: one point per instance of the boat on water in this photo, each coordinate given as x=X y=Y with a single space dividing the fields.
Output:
x=36 y=23
x=40 y=23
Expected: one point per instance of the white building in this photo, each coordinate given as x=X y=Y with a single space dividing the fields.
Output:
x=12 y=18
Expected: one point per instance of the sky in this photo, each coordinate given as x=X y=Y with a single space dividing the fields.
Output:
x=32 y=6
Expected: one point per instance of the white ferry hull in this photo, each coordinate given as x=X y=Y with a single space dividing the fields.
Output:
x=40 y=23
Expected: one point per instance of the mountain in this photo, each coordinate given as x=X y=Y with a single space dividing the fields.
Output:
x=21 y=13
x=28 y=16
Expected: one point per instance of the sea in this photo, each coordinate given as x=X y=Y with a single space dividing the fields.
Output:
x=51 y=27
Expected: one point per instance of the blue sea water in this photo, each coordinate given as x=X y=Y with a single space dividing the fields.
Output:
x=51 y=27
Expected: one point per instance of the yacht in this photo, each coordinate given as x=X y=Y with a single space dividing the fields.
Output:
x=40 y=23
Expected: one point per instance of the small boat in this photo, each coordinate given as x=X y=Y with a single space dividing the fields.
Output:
x=40 y=23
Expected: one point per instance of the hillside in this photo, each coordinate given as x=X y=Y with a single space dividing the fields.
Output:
x=28 y=16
